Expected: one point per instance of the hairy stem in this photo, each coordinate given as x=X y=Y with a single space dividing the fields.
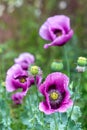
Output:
x=56 y=123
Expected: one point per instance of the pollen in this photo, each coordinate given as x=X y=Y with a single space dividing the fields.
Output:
x=58 y=34
x=54 y=95
x=22 y=80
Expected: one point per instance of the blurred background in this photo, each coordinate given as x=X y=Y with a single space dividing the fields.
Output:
x=20 y=21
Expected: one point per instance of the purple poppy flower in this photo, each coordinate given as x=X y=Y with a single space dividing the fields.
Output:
x=56 y=93
x=17 y=78
x=57 y=30
x=25 y=60
x=18 y=97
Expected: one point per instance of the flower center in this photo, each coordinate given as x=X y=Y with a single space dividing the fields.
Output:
x=54 y=95
x=55 y=98
x=22 y=79
x=58 y=33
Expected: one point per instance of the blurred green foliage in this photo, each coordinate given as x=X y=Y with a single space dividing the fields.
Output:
x=24 y=23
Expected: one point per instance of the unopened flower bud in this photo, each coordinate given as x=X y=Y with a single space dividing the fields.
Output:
x=34 y=70
x=82 y=61
x=57 y=66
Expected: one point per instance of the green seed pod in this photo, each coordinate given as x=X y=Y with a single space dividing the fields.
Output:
x=57 y=66
x=82 y=61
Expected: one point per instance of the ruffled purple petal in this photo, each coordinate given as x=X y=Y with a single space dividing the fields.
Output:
x=61 y=20
x=48 y=34
x=55 y=80
x=25 y=60
x=42 y=88
x=15 y=68
x=38 y=80
x=61 y=40
x=66 y=96
x=44 y=108
x=44 y=32
x=9 y=85
x=12 y=79
x=65 y=106
x=26 y=57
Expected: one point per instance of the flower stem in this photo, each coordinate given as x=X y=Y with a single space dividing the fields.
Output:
x=75 y=93
x=36 y=89
x=59 y=114
x=41 y=115
x=67 y=60
x=56 y=123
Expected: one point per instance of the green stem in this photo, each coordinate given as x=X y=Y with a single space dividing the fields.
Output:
x=29 y=101
x=67 y=60
x=56 y=123
x=59 y=114
x=75 y=93
x=36 y=89
x=38 y=101
x=0 y=68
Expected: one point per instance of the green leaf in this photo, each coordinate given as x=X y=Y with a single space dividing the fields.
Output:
x=76 y=113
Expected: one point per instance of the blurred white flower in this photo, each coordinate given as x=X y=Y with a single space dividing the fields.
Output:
x=38 y=3
x=10 y=8
x=62 y=5
x=37 y=12
x=13 y=4
x=2 y=8
x=81 y=69
x=18 y=3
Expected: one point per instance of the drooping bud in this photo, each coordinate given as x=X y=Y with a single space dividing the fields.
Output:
x=82 y=61
x=57 y=66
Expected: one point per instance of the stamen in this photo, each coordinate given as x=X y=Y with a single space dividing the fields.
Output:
x=58 y=33
x=54 y=95
x=22 y=79
x=55 y=98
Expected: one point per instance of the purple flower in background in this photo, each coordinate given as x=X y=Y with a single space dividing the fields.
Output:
x=18 y=97
x=25 y=60
x=17 y=78
x=57 y=30
x=56 y=93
